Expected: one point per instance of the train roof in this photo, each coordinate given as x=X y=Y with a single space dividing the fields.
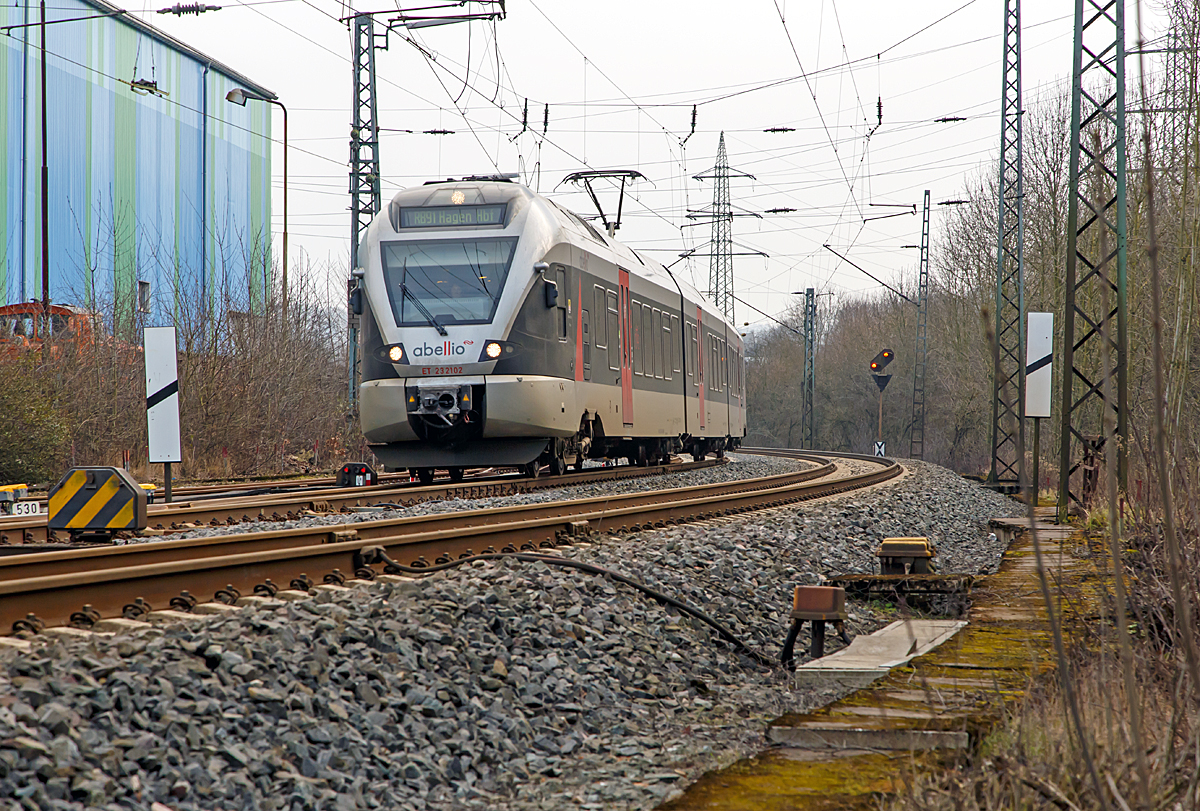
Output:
x=487 y=189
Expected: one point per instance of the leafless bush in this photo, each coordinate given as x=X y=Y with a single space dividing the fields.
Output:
x=258 y=394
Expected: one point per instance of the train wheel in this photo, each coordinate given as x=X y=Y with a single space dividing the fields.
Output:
x=456 y=474
x=532 y=469
x=558 y=466
x=425 y=475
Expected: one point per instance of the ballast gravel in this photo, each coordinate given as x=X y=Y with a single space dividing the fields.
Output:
x=493 y=685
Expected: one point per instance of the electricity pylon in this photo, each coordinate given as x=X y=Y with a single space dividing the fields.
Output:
x=1090 y=327
x=916 y=445
x=720 y=274
x=1008 y=348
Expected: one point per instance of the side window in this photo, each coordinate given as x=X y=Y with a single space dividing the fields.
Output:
x=600 y=339
x=658 y=344
x=714 y=374
x=614 y=329
x=648 y=339
x=674 y=338
x=636 y=306
x=587 y=338
x=724 y=365
x=560 y=315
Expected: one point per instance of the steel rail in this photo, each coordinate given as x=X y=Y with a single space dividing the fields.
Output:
x=54 y=595
x=432 y=526
x=290 y=506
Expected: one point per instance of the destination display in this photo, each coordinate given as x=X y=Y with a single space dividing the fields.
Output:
x=452 y=216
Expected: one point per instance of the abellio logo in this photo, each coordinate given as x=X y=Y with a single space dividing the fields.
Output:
x=447 y=349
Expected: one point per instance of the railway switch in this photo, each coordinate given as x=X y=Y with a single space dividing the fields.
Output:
x=97 y=501
x=356 y=474
x=818 y=605
x=906 y=556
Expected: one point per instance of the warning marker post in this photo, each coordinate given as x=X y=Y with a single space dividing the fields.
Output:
x=162 y=400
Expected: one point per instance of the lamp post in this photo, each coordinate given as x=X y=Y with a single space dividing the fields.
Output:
x=238 y=96
x=45 y=206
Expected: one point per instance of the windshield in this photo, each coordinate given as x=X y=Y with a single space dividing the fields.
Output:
x=455 y=281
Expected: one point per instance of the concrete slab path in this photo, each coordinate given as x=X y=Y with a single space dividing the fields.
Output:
x=942 y=698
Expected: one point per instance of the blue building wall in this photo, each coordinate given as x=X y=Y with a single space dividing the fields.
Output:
x=170 y=187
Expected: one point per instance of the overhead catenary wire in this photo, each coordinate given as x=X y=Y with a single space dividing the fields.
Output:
x=479 y=78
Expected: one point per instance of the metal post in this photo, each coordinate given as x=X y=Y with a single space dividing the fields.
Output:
x=916 y=446
x=1037 y=446
x=167 y=482
x=285 y=209
x=1008 y=348
x=807 y=428
x=365 y=193
x=879 y=433
x=1097 y=105
x=45 y=336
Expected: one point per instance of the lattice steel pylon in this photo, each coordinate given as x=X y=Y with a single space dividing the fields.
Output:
x=365 y=195
x=720 y=273
x=1008 y=346
x=1183 y=38
x=808 y=429
x=1097 y=111
x=916 y=445
x=366 y=199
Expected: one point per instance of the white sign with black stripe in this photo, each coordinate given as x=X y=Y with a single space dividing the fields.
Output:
x=1039 y=357
x=162 y=394
x=880 y=448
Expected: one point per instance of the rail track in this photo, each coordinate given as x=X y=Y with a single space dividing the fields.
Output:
x=211 y=506
x=81 y=586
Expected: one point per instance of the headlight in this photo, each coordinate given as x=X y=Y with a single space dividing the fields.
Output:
x=396 y=353
x=492 y=350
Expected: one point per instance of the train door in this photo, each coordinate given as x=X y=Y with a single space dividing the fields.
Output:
x=626 y=316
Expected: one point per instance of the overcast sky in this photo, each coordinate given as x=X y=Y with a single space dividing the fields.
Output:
x=620 y=79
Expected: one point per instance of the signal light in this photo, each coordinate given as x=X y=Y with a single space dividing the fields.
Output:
x=877 y=363
x=882 y=359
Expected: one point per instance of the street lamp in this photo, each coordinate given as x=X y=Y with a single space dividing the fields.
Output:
x=238 y=96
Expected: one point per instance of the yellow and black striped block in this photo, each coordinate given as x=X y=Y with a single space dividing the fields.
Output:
x=97 y=499
x=13 y=492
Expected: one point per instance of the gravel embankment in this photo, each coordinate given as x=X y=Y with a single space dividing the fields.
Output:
x=494 y=685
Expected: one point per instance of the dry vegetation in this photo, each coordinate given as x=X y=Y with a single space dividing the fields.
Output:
x=1119 y=726
x=257 y=396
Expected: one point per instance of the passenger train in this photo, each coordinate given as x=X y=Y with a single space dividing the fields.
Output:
x=499 y=329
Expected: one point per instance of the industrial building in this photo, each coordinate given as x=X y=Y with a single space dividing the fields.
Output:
x=159 y=188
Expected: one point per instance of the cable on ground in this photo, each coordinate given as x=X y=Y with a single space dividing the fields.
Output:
x=373 y=554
